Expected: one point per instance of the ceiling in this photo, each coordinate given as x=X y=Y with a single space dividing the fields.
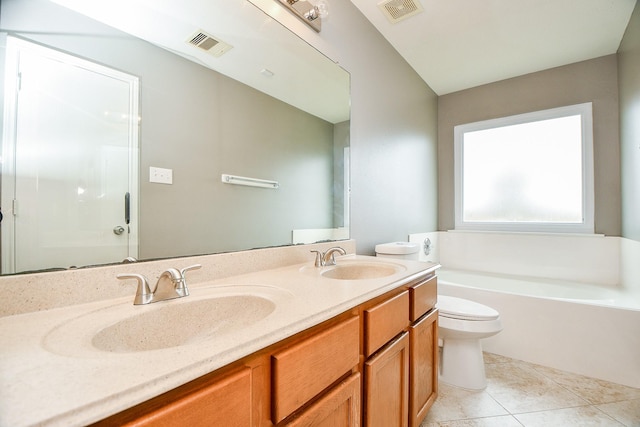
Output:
x=264 y=54
x=452 y=44
x=458 y=44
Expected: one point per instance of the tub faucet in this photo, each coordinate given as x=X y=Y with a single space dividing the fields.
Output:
x=171 y=284
x=328 y=257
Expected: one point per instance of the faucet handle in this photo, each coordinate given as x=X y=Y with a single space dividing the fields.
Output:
x=143 y=294
x=319 y=258
x=191 y=267
x=181 y=286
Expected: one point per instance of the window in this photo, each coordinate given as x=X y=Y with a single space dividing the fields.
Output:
x=530 y=172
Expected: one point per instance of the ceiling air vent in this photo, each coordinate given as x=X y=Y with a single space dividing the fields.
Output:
x=209 y=43
x=397 y=10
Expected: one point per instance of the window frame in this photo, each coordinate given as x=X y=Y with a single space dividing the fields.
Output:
x=587 y=226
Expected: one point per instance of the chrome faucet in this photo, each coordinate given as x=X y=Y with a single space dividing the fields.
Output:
x=171 y=284
x=328 y=257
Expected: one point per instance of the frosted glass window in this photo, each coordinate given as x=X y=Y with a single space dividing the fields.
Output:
x=530 y=172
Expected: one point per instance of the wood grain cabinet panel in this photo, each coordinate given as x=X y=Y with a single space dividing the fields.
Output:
x=226 y=402
x=423 y=368
x=386 y=378
x=340 y=407
x=424 y=296
x=384 y=321
x=303 y=370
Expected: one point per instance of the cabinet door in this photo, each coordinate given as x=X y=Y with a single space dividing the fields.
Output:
x=305 y=369
x=386 y=377
x=226 y=402
x=423 y=374
x=340 y=407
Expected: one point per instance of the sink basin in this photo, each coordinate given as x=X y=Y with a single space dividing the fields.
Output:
x=359 y=271
x=355 y=269
x=208 y=316
x=172 y=325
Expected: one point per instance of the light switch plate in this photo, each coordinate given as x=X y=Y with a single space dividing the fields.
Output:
x=160 y=175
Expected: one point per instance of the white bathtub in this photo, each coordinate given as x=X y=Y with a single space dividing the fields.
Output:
x=592 y=330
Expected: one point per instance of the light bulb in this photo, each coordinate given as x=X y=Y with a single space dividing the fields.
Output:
x=323 y=8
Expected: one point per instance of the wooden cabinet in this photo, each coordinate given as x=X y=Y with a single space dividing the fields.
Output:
x=340 y=407
x=305 y=369
x=424 y=295
x=423 y=344
x=423 y=369
x=387 y=385
x=401 y=381
x=384 y=321
x=226 y=401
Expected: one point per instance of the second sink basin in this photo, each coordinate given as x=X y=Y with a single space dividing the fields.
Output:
x=358 y=271
x=355 y=268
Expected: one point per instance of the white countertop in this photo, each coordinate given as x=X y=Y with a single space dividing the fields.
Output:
x=50 y=373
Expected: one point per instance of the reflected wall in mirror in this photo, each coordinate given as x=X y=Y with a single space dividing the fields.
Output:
x=287 y=124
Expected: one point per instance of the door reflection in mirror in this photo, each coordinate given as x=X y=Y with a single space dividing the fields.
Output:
x=69 y=148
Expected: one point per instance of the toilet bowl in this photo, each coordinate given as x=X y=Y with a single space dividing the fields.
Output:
x=461 y=326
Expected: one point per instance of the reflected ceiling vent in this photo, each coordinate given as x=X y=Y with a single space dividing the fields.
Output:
x=209 y=43
x=398 y=10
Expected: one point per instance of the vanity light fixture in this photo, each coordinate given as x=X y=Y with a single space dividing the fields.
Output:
x=308 y=12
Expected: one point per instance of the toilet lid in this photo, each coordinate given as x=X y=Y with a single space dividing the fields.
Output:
x=458 y=308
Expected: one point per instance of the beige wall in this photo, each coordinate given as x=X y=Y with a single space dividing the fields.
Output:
x=393 y=130
x=589 y=81
x=228 y=127
x=629 y=82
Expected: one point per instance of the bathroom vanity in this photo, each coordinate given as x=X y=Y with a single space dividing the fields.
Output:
x=345 y=345
x=315 y=377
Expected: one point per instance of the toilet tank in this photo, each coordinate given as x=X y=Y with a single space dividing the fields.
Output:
x=401 y=250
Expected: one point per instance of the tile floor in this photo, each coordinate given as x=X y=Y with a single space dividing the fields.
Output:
x=523 y=394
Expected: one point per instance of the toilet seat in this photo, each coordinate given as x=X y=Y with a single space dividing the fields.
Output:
x=462 y=309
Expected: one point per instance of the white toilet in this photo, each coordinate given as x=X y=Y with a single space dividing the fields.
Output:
x=461 y=326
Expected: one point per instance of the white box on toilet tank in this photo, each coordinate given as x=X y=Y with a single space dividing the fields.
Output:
x=401 y=250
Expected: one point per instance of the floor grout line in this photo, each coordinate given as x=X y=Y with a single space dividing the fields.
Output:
x=510 y=401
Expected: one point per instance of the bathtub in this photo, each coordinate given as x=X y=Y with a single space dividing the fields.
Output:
x=593 y=330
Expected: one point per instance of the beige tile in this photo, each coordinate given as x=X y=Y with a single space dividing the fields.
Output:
x=458 y=404
x=593 y=390
x=627 y=412
x=583 y=416
x=495 y=358
x=537 y=396
x=519 y=388
x=503 y=421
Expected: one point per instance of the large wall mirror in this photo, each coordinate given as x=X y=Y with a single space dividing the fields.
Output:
x=121 y=118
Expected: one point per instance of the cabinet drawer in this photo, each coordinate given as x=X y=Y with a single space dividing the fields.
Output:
x=304 y=370
x=224 y=402
x=385 y=321
x=424 y=296
x=340 y=407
